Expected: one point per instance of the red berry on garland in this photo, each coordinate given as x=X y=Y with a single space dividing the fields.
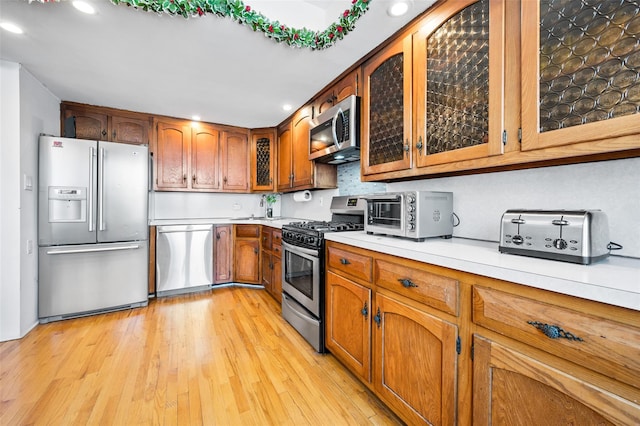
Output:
x=282 y=27
x=346 y=13
x=339 y=28
x=296 y=36
x=247 y=9
x=353 y=1
x=270 y=28
x=331 y=35
x=200 y=11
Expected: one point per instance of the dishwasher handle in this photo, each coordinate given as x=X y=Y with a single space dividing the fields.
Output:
x=184 y=228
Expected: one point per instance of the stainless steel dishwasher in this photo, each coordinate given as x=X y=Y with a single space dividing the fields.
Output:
x=184 y=258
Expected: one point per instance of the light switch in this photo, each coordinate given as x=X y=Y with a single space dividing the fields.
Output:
x=28 y=183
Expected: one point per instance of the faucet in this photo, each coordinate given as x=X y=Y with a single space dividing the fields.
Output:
x=262 y=198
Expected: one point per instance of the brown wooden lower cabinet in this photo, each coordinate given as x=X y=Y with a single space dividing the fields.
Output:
x=246 y=248
x=513 y=388
x=271 y=261
x=444 y=347
x=223 y=254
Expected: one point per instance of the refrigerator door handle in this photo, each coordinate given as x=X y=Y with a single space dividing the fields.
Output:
x=101 y=226
x=95 y=249
x=92 y=223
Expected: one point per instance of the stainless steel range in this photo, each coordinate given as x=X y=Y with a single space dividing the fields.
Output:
x=303 y=266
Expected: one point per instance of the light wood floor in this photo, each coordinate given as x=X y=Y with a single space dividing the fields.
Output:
x=223 y=357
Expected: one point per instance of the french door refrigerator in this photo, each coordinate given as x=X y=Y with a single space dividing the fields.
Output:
x=92 y=227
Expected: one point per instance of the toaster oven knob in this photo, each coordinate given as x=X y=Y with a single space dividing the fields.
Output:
x=560 y=244
x=411 y=199
x=517 y=239
x=412 y=218
x=412 y=226
x=412 y=208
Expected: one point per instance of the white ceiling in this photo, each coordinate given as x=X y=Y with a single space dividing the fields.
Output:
x=209 y=66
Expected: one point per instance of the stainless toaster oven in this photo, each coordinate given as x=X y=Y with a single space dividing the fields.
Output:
x=412 y=214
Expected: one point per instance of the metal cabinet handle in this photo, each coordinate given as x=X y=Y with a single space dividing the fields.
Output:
x=104 y=132
x=255 y=250
x=344 y=261
x=224 y=179
x=406 y=146
x=193 y=178
x=419 y=145
x=218 y=236
x=365 y=310
x=377 y=318
x=406 y=282
x=184 y=178
x=113 y=135
x=554 y=331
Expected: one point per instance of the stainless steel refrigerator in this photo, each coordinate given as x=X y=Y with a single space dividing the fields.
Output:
x=92 y=227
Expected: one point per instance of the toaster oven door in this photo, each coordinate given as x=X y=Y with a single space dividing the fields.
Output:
x=385 y=215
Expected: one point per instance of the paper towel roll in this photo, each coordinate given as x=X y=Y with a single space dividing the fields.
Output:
x=301 y=196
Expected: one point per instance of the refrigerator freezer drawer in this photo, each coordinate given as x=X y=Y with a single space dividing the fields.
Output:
x=83 y=279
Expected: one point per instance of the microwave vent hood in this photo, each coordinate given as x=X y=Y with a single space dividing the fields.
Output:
x=334 y=136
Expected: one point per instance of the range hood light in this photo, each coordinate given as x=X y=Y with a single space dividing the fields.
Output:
x=338 y=157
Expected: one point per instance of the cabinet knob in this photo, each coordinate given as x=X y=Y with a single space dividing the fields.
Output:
x=104 y=133
x=365 y=310
x=255 y=250
x=377 y=318
x=113 y=135
x=224 y=179
x=344 y=261
x=193 y=178
x=406 y=146
x=217 y=236
x=184 y=178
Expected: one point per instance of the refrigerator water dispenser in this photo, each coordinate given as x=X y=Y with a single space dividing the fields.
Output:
x=67 y=204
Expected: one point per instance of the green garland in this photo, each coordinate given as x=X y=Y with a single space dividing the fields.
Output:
x=243 y=14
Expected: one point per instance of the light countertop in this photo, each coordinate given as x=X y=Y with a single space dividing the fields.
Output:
x=614 y=280
x=275 y=222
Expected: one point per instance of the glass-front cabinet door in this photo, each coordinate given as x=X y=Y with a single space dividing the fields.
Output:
x=580 y=73
x=458 y=63
x=263 y=159
x=386 y=110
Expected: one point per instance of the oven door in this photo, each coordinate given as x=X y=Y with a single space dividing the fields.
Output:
x=385 y=215
x=301 y=276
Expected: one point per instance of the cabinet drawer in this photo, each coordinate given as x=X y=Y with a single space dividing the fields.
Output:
x=350 y=263
x=247 y=231
x=431 y=289
x=603 y=345
x=276 y=241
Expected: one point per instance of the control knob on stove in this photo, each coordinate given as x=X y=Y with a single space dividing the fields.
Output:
x=310 y=240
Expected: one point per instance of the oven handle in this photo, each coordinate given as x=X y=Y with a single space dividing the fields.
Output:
x=310 y=252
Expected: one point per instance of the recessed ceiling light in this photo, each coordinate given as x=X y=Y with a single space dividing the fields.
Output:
x=84 y=7
x=11 y=27
x=195 y=117
x=398 y=8
x=286 y=107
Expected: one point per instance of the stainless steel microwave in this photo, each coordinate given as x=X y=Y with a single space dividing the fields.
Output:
x=334 y=136
x=412 y=214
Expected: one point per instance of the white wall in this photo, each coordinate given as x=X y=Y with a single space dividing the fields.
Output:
x=28 y=109
x=480 y=200
x=189 y=205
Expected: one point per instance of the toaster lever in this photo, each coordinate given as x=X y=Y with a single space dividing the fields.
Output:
x=560 y=222
x=518 y=221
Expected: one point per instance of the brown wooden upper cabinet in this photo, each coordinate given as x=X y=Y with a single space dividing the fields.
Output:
x=426 y=96
x=386 y=110
x=106 y=124
x=200 y=157
x=295 y=170
x=482 y=84
x=345 y=87
x=580 y=74
x=263 y=159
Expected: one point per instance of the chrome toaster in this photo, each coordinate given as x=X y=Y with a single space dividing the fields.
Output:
x=577 y=236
